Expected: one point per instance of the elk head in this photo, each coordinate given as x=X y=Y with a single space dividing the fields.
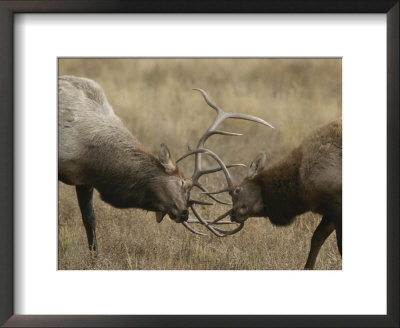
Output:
x=247 y=198
x=171 y=190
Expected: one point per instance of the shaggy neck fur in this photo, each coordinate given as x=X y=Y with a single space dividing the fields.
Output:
x=132 y=185
x=125 y=174
x=282 y=190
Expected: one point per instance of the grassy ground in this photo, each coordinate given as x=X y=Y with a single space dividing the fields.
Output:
x=154 y=99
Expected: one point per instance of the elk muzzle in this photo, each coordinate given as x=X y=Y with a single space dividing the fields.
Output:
x=184 y=215
x=234 y=218
x=179 y=216
x=238 y=217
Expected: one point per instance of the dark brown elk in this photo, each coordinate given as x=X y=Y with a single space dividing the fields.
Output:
x=308 y=179
x=96 y=150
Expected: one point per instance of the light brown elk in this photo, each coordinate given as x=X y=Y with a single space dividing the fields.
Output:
x=95 y=150
x=308 y=179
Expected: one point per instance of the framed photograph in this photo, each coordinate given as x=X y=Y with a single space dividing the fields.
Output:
x=124 y=130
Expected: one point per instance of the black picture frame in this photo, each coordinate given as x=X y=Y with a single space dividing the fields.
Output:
x=7 y=11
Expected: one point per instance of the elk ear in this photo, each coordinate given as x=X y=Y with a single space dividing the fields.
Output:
x=257 y=166
x=165 y=159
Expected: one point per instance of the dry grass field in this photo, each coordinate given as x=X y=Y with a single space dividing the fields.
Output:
x=155 y=100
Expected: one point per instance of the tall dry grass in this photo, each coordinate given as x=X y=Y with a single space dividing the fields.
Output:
x=154 y=99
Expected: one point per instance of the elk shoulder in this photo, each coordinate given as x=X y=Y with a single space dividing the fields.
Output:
x=321 y=166
x=92 y=139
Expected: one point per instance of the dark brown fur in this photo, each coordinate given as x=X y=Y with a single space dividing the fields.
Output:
x=308 y=179
x=282 y=192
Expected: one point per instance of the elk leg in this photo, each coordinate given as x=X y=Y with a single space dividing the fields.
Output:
x=85 y=200
x=322 y=232
x=338 y=225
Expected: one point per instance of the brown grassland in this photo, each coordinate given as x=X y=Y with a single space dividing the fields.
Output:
x=155 y=100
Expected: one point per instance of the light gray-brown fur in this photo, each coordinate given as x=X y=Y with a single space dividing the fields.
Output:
x=95 y=149
x=86 y=122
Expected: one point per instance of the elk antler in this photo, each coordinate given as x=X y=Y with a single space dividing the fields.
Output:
x=198 y=171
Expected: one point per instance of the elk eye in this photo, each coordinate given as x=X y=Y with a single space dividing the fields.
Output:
x=238 y=190
x=244 y=208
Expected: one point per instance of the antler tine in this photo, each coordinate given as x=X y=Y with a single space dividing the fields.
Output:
x=205 y=223
x=217 y=169
x=226 y=133
x=188 y=146
x=217 y=220
x=216 y=192
x=187 y=226
x=208 y=101
x=230 y=232
x=198 y=185
x=216 y=231
x=209 y=222
x=199 y=202
x=248 y=118
x=222 y=216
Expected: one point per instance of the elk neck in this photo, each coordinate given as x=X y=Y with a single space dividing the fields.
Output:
x=124 y=173
x=282 y=190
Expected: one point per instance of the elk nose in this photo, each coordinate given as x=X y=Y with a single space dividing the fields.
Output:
x=185 y=215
